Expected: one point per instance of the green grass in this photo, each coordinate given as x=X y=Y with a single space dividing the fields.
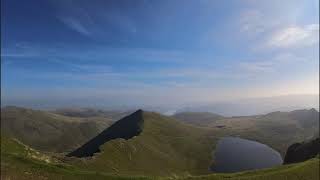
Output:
x=17 y=164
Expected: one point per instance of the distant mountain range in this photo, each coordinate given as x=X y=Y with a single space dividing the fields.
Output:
x=234 y=107
x=303 y=118
x=90 y=112
x=254 y=106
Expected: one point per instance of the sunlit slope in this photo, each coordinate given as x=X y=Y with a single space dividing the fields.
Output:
x=48 y=131
x=164 y=147
x=17 y=163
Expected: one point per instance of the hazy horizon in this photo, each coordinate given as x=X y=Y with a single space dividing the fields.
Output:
x=239 y=107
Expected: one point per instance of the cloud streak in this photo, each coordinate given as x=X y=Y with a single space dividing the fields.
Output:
x=75 y=25
x=295 y=36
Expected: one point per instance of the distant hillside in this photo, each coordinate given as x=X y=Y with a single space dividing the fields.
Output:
x=48 y=131
x=150 y=144
x=88 y=112
x=299 y=152
x=306 y=118
x=197 y=118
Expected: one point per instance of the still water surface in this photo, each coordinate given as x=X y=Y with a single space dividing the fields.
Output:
x=235 y=154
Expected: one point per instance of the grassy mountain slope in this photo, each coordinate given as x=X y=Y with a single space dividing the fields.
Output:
x=164 y=147
x=17 y=163
x=197 y=118
x=48 y=131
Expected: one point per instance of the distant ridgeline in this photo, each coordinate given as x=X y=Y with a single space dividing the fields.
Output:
x=299 y=152
x=125 y=128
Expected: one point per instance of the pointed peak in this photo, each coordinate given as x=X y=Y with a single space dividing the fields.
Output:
x=313 y=110
x=139 y=111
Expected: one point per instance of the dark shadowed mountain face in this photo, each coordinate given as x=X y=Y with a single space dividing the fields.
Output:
x=125 y=128
x=299 y=152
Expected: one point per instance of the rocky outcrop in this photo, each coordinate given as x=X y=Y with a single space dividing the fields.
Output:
x=125 y=128
x=299 y=152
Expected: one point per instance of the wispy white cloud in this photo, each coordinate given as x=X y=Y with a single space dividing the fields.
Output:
x=75 y=16
x=75 y=25
x=277 y=25
x=94 y=21
x=295 y=36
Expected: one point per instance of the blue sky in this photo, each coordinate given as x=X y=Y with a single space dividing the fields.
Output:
x=156 y=53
